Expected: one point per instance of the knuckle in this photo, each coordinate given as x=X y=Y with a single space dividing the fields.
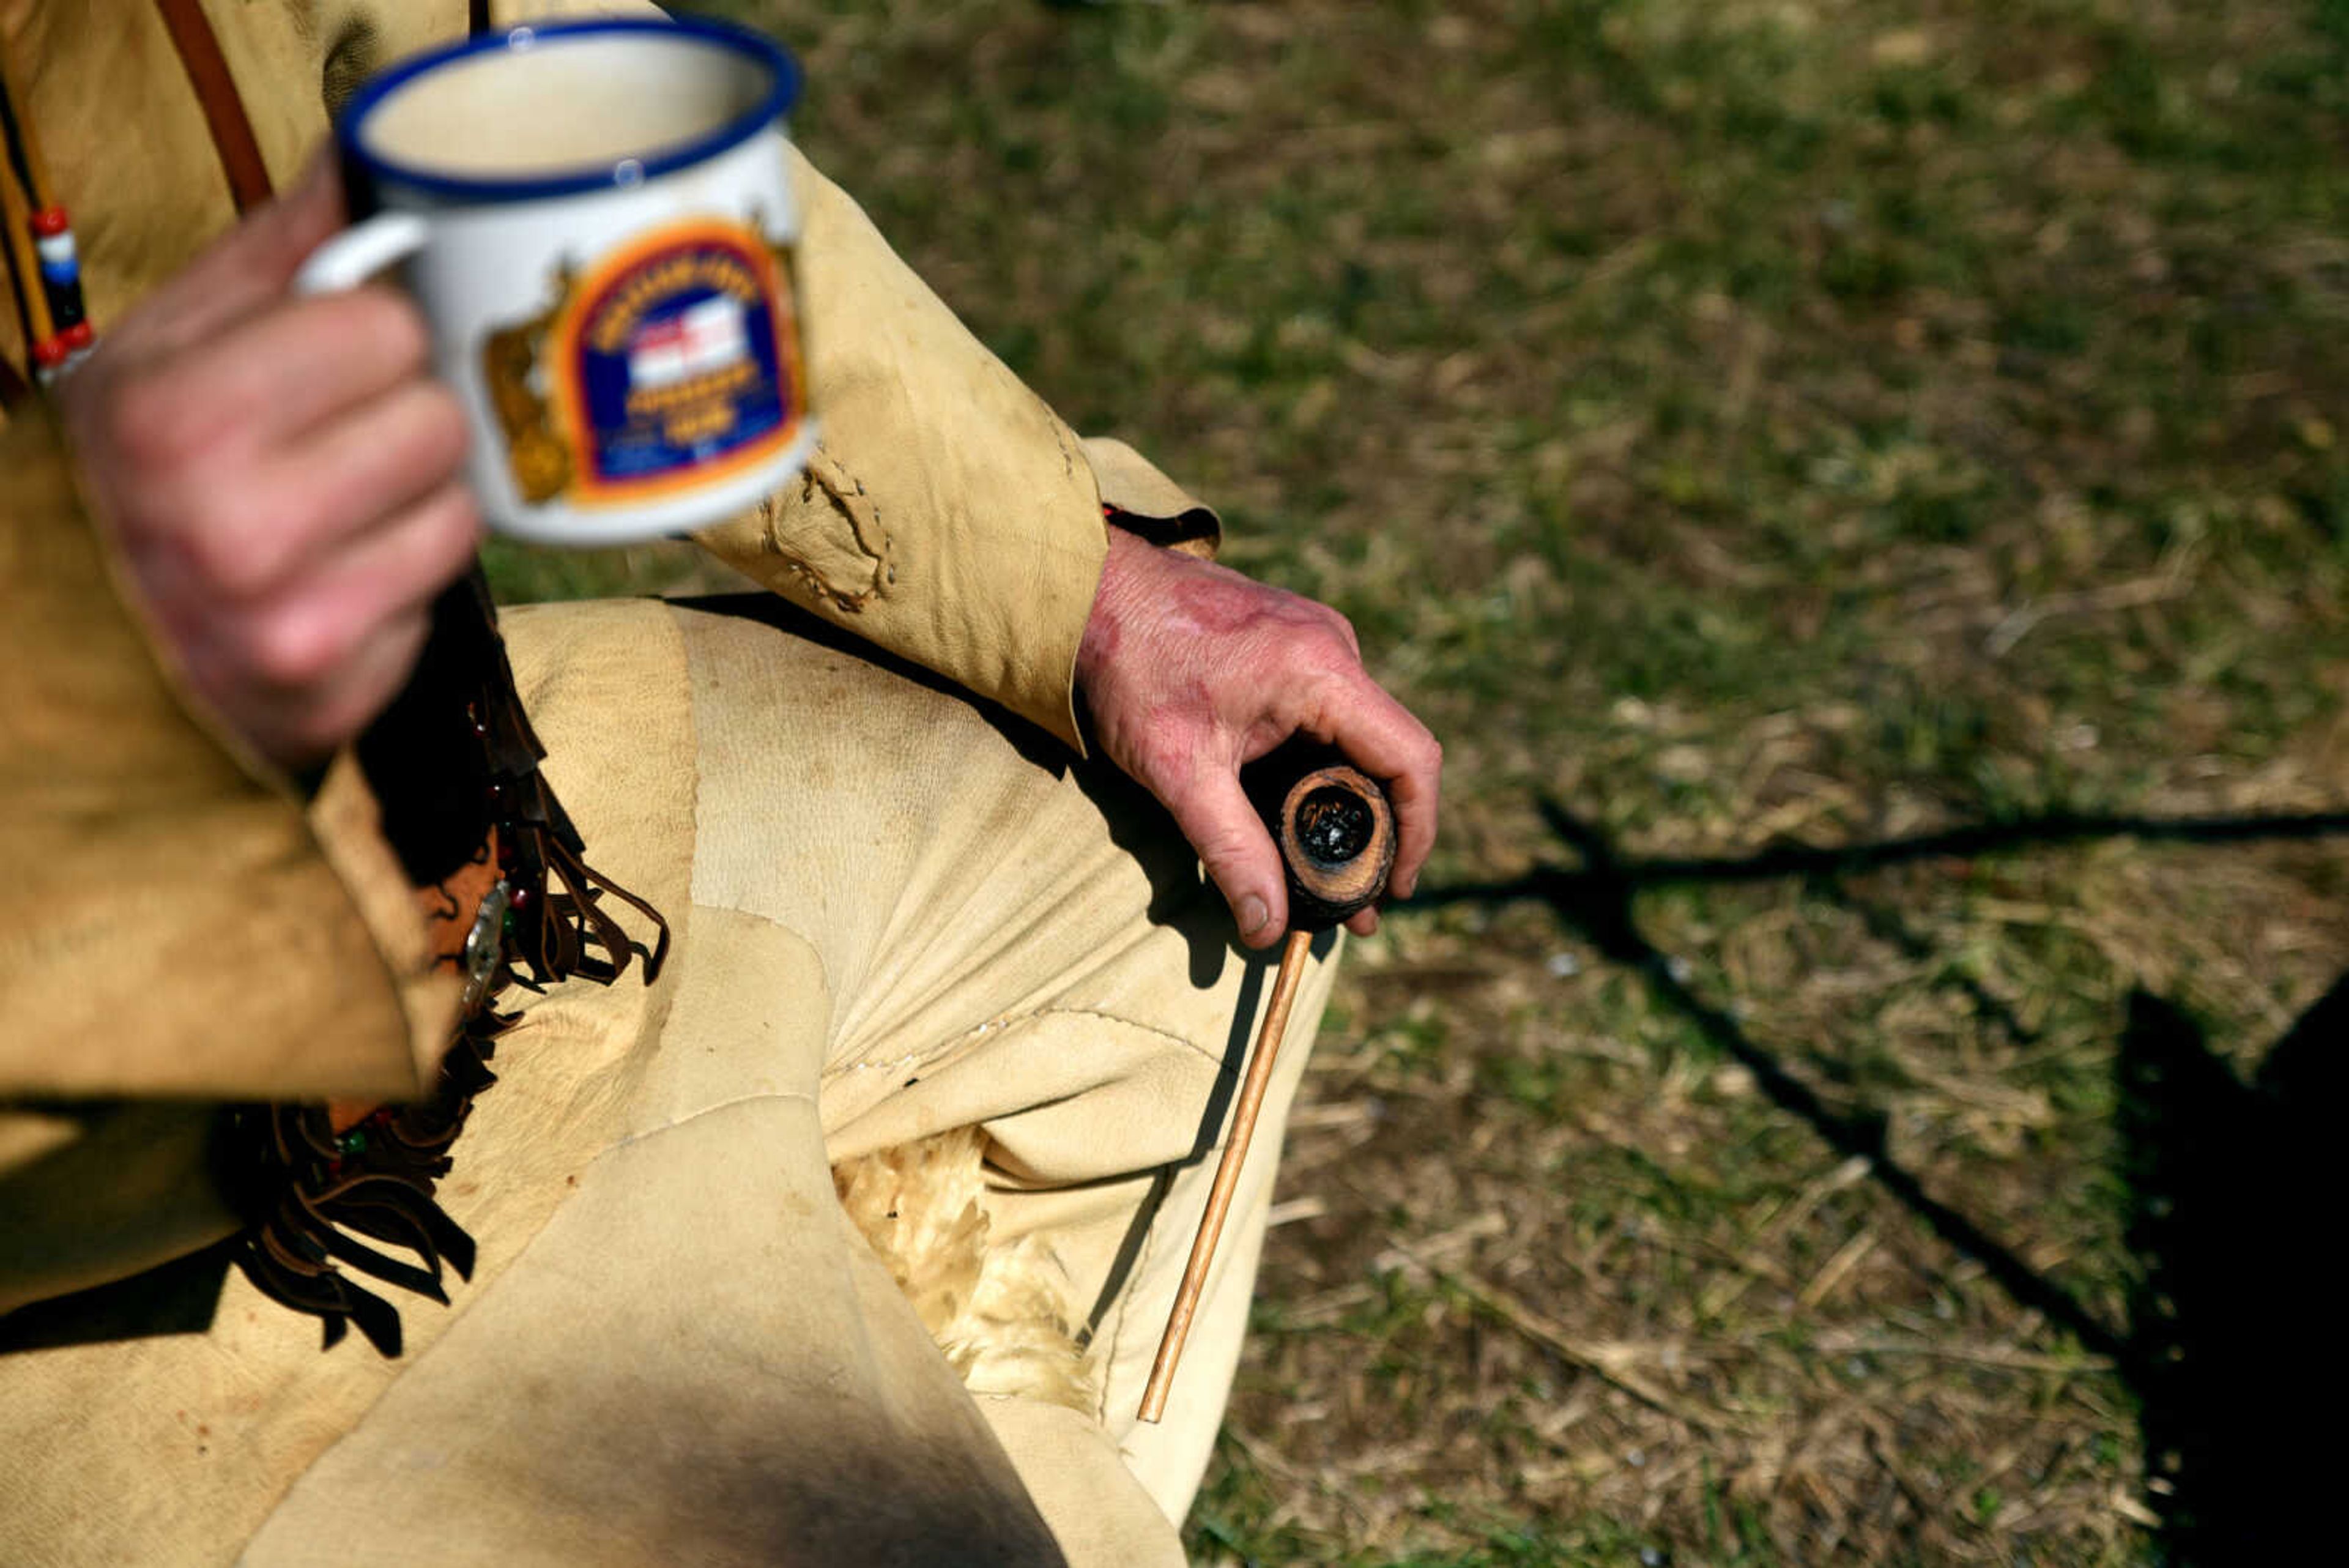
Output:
x=442 y=430
x=212 y=547
x=153 y=422
x=1333 y=660
x=1222 y=840
x=290 y=650
x=383 y=325
x=1164 y=758
x=1333 y=629
x=235 y=547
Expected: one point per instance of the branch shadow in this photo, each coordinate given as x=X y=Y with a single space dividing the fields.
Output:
x=1597 y=901
x=2223 y=1176
x=1549 y=884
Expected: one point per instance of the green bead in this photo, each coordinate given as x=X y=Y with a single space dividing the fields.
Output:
x=352 y=1142
x=509 y=923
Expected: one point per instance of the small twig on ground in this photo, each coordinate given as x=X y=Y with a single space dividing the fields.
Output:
x=2004 y=1355
x=1610 y=1363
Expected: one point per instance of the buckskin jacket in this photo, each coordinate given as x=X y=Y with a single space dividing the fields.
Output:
x=179 y=926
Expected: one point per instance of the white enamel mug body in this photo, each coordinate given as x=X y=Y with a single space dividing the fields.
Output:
x=596 y=220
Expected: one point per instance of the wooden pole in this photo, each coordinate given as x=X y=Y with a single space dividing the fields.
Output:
x=1293 y=956
x=1336 y=831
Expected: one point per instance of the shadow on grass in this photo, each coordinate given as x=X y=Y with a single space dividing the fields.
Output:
x=2226 y=1213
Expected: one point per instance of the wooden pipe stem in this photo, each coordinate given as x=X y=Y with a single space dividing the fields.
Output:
x=1293 y=957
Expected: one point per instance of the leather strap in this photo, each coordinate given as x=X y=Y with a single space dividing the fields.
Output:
x=17 y=200
x=208 y=73
x=224 y=117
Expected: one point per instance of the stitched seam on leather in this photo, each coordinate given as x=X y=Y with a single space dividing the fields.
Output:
x=848 y=498
x=929 y=1055
x=693 y=1116
x=1184 y=1041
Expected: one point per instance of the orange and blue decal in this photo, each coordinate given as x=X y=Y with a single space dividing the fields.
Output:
x=677 y=363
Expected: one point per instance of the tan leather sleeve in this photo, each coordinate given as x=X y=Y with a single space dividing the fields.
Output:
x=173 y=921
x=1141 y=500
x=96 y=1190
x=948 y=515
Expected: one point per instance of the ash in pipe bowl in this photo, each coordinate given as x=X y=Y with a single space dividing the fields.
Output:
x=1337 y=837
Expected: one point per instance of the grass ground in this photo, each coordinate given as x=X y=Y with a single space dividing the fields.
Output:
x=1731 y=424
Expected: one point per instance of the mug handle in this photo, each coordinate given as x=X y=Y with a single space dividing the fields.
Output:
x=360 y=252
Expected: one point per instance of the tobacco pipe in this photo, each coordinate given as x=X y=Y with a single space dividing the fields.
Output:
x=1336 y=831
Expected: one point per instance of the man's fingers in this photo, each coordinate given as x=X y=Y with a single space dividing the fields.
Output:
x=244 y=270
x=389 y=572
x=232 y=399
x=1215 y=814
x=280 y=478
x=346 y=480
x=1382 y=738
x=1416 y=795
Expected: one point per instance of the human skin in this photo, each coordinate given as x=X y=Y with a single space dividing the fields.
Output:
x=281 y=479
x=1191 y=669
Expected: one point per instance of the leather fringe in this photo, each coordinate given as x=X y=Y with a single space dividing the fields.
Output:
x=313 y=1191
x=310 y=1189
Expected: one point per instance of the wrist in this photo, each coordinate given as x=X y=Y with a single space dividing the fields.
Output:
x=1128 y=560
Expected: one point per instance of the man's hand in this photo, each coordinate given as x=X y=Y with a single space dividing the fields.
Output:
x=1191 y=670
x=281 y=478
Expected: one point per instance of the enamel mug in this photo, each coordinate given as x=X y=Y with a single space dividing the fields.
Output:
x=596 y=220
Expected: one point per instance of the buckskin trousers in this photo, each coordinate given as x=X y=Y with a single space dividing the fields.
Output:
x=915 y=942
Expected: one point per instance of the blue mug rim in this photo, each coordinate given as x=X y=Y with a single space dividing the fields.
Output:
x=782 y=92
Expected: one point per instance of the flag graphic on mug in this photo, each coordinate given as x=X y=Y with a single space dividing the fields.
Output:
x=703 y=339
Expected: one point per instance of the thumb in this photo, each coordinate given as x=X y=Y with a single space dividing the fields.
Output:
x=1215 y=814
x=280 y=236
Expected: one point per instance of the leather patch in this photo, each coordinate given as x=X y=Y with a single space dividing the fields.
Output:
x=844 y=570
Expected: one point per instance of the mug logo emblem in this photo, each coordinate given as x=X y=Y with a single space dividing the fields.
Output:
x=668 y=364
x=512 y=356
